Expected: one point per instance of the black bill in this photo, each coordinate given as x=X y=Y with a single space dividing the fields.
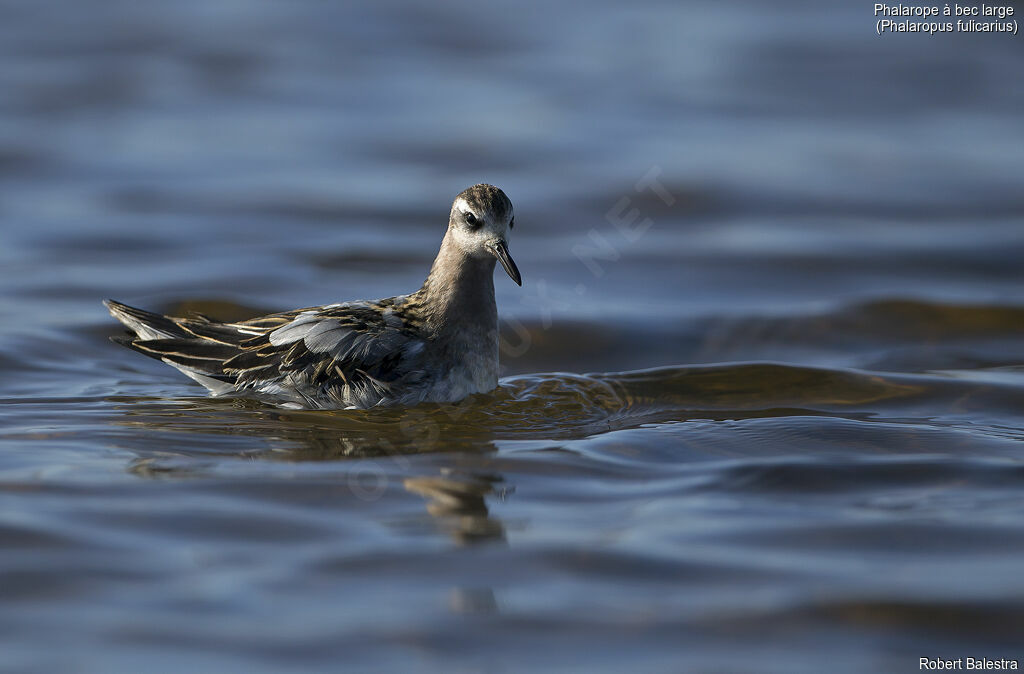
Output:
x=500 y=251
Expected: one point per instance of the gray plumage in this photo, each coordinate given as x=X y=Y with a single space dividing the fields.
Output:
x=438 y=344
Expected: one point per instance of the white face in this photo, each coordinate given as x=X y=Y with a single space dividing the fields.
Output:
x=477 y=232
x=484 y=233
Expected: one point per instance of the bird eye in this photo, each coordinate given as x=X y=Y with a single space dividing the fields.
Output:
x=471 y=219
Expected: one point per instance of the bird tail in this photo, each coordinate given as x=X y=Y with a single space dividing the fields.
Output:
x=145 y=324
x=167 y=339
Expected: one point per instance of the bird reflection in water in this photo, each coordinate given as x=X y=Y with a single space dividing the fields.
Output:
x=459 y=506
x=387 y=449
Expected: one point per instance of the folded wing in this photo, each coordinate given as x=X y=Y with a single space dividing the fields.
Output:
x=350 y=354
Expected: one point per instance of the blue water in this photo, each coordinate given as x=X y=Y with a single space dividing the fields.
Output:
x=763 y=404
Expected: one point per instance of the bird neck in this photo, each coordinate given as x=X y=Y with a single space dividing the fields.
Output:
x=459 y=291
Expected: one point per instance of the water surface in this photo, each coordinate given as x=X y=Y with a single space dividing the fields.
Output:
x=770 y=421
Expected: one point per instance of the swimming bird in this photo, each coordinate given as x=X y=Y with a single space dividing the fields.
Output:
x=438 y=344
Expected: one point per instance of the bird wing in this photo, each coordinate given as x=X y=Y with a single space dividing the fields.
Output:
x=348 y=354
x=358 y=348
